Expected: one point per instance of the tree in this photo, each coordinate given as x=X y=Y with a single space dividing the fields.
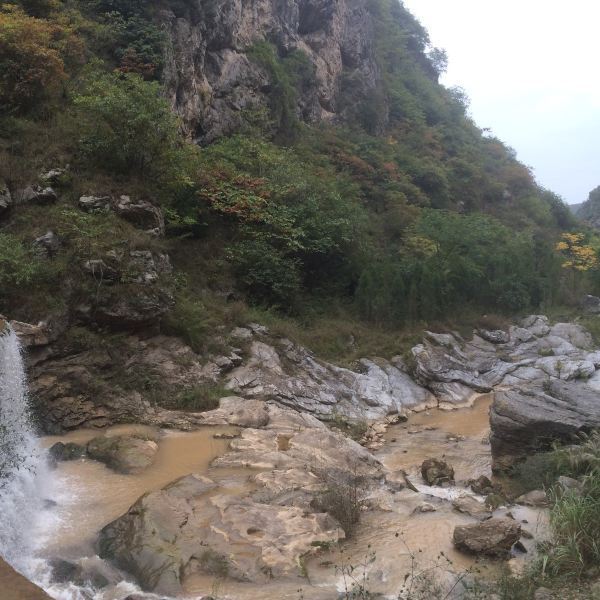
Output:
x=128 y=127
x=577 y=255
x=32 y=58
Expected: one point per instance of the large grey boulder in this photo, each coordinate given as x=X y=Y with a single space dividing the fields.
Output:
x=524 y=420
x=494 y=537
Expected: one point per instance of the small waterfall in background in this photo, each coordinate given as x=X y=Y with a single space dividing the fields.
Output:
x=22 y=461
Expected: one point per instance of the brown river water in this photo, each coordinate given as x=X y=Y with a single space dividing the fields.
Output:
x=388 y=544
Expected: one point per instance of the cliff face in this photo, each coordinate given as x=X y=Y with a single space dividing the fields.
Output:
x=211 y=80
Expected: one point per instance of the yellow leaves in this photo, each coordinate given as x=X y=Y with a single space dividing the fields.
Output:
x=578 y=256
x=420 y=246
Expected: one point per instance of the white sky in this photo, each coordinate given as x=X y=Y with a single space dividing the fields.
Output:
x=532 y=71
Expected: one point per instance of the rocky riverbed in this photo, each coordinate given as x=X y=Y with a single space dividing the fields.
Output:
x=254 y=498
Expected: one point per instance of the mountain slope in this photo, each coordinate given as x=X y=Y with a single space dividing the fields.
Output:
x=312 y=164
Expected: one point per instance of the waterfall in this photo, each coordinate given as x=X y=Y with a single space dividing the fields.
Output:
x=22 y=461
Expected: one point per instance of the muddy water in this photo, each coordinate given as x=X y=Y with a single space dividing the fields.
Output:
x=390 y=542
x=401 y=540
x=459 y=436
x=94 y=495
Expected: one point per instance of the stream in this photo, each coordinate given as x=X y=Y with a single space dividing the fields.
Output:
x=58 y=513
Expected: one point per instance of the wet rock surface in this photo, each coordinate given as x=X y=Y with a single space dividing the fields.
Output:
x=527 y=419
x=123 y=453
x=494 y=537
x=437 y=472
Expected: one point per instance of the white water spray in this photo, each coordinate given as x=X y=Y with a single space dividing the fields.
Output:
x=22 y=461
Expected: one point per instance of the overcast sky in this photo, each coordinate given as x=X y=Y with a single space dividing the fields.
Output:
x=531 y=69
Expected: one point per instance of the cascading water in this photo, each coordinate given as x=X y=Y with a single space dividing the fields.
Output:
x=22 y=461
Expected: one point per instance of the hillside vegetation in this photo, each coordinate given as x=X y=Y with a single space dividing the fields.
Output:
x=402 y=213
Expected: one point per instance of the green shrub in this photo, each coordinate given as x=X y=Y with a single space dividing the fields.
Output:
x=18 y=264
x=200 y=398
x=128 y=127
x=189 y=320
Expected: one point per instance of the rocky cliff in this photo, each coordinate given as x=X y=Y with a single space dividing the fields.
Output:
x=213 y=81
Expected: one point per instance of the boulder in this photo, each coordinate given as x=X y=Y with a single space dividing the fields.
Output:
x=141 y=213
x=494 y=537
x=496 y=336
x=573 y=333
x=34 y=194
x=94 y=204
x=566 y=368
x=437 y=472
x=535 y=498
x=69 y=451
x=56 y=176
x=120 y=309
x=539 y=325
x=47 y=245
x=525 y=420
x=472 y=507
x=145 y=267
x=123 y=453
x=482 y=485
x=591 y=305
x=446 y=364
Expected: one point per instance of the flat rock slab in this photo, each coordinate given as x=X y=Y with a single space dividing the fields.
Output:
x=494 y=537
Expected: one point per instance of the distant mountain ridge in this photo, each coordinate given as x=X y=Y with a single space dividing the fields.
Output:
x=589 y=211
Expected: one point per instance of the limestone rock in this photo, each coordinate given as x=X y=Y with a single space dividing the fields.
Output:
x=472 y=507
x=437 y=472
x=123 y=453
x=47 y=245
x=290 y=375
x=494 y=537
x=211 y=79
x=524 y=420
x=56 y=176
x=94 y=204
x=141 y=213
x=496 y=336
x=177 y=531
x=536 y=498
x=34 y=194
